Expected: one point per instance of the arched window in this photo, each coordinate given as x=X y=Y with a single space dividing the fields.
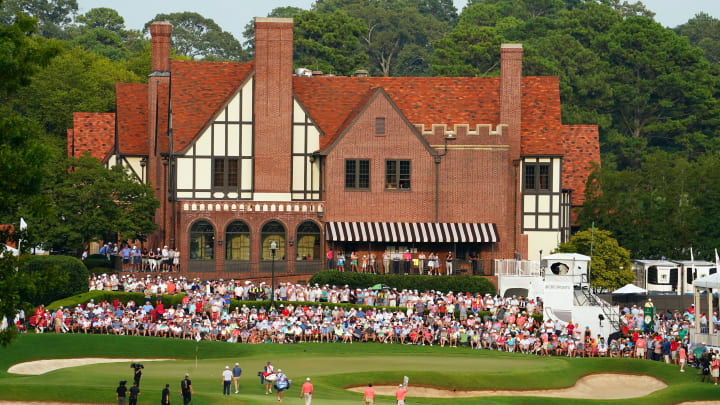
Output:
x=273 y=231
x=237 y=241
x=308 y=241
x=202 y=241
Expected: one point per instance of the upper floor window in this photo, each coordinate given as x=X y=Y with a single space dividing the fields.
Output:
x=380 y=126
x=397 y=174
x=537 y=176
x=357 y=174
x=226 y=172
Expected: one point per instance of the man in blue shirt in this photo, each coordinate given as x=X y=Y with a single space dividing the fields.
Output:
x=236 y=373
x=125 y=252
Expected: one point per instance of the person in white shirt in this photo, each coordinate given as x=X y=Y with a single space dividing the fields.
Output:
x=226 y=379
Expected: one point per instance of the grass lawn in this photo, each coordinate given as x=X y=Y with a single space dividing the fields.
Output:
x=331 y=367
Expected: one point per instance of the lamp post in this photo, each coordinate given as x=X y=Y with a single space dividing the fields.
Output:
x=273 y=248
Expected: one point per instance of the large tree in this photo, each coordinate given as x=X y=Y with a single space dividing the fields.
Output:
x=329 y=42
x=703 y=31
x=610 y=266
x=393 y=26
x=76 y=80
x=53 y=16
x=24 y=157
x=200 y=37
x=91 y=202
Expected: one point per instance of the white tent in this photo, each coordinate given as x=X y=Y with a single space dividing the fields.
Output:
x=711 y=281
x=630 y=289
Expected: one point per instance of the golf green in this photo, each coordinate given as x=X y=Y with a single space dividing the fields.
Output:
x=332 y=367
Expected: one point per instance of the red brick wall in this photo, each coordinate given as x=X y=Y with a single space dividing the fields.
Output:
x=360 y=142
x=255 y=220
x=273 y=104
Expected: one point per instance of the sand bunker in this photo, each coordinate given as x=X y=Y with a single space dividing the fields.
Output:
x=38 y=367
x=593 y=386
x=691 y=403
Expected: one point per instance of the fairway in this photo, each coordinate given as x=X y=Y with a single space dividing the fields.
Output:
x=332 y=367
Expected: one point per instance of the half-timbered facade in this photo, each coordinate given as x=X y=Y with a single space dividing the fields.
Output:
x=244 y=154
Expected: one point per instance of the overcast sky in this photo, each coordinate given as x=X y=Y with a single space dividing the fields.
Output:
x=232 y=15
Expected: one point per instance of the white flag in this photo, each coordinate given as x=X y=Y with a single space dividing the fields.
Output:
x=717 y=259
x=23 y=224
x=692 y=260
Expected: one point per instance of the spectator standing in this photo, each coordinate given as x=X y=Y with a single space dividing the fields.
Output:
x=386 y=262
x=407 y=258
x=330 y=259
x=449 y=263
x=236 y=373
x=307 y=391
x=226 y=380
x=421 y=262
x=396 y=262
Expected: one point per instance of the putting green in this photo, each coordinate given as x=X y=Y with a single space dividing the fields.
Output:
x=332 y=367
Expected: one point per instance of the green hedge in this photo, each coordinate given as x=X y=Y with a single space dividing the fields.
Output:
x=53 y=277
x=94 y=261
x=471 y=284
x=110 y=296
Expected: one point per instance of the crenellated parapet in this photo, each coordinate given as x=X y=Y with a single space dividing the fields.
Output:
x=462 y=130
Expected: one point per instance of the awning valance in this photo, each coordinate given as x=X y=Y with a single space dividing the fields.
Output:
x=432 y=232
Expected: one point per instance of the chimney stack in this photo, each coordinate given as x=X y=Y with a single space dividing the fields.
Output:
x=273 y=104
x=511 y=94
x=160 y=32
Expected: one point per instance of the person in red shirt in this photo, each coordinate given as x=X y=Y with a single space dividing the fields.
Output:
x=682 y=354
x=369 y=396
x=400 y=394
x=307 y=391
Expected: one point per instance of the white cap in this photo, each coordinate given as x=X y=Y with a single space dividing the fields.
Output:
x=307 y=379
x=227 y=367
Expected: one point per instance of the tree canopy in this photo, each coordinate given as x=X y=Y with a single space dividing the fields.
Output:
x=610 y=266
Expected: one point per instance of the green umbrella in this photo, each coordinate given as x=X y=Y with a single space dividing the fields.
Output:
x=378 y=287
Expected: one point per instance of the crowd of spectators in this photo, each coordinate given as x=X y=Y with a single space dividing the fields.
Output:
x=394 y=317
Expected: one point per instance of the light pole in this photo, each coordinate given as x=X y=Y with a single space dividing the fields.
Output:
x=273 y=248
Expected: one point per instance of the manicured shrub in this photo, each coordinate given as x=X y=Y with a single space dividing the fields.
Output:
x=471 y=284
x=110 y=296
x=54 y=277
x=93 y=262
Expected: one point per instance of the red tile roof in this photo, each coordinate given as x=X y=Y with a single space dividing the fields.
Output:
x=438 y=100
x=93 y=133
x=199 y=91
x=582 y=148
x=132 y=111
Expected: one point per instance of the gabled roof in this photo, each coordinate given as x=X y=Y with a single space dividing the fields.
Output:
x=132 y=112
x=364 y=101
x=438 y=100
x=199 y=90
x=93 y=133
x=581 y=149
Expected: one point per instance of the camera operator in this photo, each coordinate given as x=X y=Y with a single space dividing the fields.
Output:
x=138 y=373
x=121 y=392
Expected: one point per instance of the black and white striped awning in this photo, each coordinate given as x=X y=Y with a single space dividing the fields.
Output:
x=410 y=232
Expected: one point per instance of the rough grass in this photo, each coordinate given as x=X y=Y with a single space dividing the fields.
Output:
x=331 y=367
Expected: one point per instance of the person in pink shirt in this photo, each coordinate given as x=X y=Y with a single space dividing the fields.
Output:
x=369 y=396
x=682 y=354
x=400 y=394
x=307 y=391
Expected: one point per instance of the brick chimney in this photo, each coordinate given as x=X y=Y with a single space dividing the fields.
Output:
x=160 y=32
x=273 y=104
x=511 y=93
